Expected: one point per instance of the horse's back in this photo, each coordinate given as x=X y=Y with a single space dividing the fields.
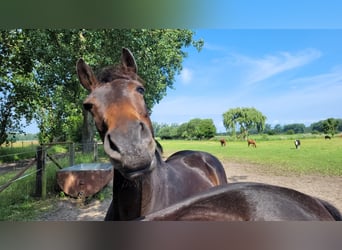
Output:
x=248 y=202
x=208 y=165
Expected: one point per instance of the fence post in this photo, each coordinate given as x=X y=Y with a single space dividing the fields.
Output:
x=96 y=153
x=72 y=154
x=41 y=173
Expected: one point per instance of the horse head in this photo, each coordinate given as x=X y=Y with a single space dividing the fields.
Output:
x=116 y=102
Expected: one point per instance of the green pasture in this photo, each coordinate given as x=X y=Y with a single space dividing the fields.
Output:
x=277 y=156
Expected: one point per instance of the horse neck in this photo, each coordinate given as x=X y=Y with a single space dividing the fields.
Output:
x=154 y=187
x=134 y=198
x=126 y=197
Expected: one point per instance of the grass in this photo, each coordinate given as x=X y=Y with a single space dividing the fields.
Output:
x=316 y=155
x=18 y=203
x=12 y=154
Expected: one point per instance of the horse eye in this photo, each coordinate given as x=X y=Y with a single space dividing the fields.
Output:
x=87 y=106
x=140 y=89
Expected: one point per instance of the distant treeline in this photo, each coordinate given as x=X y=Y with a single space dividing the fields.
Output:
x=328 y=126
x=205 y=129
x=14 y=137
x=194 y=129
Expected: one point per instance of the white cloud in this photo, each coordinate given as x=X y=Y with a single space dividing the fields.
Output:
x=316 y=97
x=259 y=69
x=186 y=75
x=321 y=81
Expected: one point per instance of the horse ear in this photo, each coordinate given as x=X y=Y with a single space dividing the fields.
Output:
x=86 y=75
x=127 y=59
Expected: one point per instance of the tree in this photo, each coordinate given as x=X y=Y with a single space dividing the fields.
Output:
x=245 y=118
x=207 y=129
x=296 y=128
x=168 y=131
x=278 y=129
x=50 y=57
x=330 y=126
x=268 y=129
x=198 y=129
x=16 y=86
x=319 y=126
x=194 y=129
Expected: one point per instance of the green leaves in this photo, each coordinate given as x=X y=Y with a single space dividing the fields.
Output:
x=330 y=126
x=38 y=78
x=194 y=129
x=245 y=118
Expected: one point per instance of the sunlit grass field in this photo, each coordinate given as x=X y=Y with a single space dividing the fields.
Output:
x=315 y=156
x=18 y=151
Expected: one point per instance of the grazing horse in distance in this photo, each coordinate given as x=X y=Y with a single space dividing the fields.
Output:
x=143 y=182
x=223 y=142
x=297 y=143
x=251 y=142
x=327 y=137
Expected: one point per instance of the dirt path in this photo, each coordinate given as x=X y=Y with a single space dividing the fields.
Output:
x=327 y=188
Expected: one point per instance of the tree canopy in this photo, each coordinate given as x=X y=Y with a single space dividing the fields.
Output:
x=194 y=129
x=245 y=119
x=38 y=79
x=330 y=126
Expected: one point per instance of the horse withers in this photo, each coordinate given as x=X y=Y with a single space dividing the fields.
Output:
x=143 y=182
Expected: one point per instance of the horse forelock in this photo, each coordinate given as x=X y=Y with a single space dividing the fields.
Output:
x=111 y=73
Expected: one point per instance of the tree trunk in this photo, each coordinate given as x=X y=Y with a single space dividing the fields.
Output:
x=87 y=132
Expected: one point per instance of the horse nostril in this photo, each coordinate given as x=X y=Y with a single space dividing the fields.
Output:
x=142 y=126
x=112 y=145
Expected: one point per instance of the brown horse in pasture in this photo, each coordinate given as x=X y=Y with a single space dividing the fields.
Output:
x=223 y=142
x=143 y=182
x=251 y=142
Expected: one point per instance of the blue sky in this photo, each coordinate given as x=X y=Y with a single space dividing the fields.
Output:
x=290 y=75
x=282 y=57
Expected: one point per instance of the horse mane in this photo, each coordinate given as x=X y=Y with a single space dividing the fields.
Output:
x=159 y=147
x=335 y=213
x=111 y=73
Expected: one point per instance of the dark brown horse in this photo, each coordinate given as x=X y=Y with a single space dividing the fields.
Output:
x=251 y=142
x=248 y=202
x=143 y=182
x=223 y=142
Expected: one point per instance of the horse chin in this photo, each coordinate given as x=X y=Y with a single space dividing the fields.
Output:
x=136 y=173
x=130 y=172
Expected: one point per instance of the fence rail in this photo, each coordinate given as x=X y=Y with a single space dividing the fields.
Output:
x=18 y=176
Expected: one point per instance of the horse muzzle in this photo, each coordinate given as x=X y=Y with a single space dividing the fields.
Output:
x=131 y=149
